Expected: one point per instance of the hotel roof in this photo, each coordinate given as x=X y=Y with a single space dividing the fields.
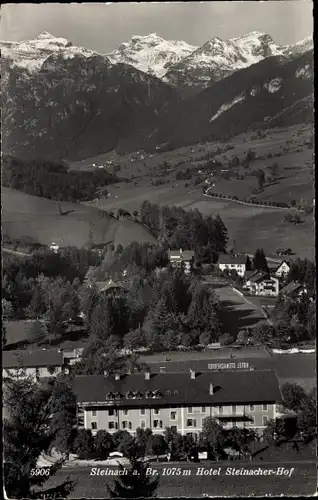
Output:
x=237 y=387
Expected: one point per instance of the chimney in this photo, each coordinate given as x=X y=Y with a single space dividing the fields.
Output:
x=117 y=376
x=147 y=375
x=192 y=374
x=211 y=390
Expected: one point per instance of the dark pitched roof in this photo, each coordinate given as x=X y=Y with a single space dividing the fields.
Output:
x=232 y=259
x=185 y=255
x=32 y=359
x=19 y=331
x=255 y=278
x=249 y=386
x=291 y=288
x=104 y=286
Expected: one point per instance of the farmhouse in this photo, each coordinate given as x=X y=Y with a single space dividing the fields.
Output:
x=262 y=284
x=284 y=251
x=293 y=290
x=179 y=258
x=111 y=288
x=246 y=399
x=283 y=269
x=54 y=247
x=233 y=262
x=21 y=332
x=38 y=364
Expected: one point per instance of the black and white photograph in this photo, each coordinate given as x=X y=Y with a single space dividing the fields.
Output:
x=158 y=250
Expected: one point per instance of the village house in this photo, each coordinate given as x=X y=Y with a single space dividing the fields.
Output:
x=231 y=262
x=111 y=288
x=293 y=290
x=262 y=284
x=284 y=251
x=39 y=364
x=244 y=399
x=182 y=258
x=283 y=269
x=54 y=247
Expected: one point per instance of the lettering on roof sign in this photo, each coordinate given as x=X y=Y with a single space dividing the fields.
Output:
x=228 y=366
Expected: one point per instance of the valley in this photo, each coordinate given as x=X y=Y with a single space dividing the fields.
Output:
x=248 y=226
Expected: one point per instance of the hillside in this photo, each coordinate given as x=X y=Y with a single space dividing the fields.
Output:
x=77 y=106
x=38 y=219
x=261 y=96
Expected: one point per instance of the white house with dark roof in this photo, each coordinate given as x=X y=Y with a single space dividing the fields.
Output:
x=232 y=262
x=283 y=269
x=179 y=258
x=39 y=363
x=245 y=399
x=262 y=284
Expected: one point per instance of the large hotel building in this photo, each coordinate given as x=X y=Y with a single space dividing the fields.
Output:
x=242 y=398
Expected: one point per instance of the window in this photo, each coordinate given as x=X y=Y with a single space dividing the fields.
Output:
x=173 y=415
x=142 y=411
x=251 y=407
x=265 y=407
x=124 y=424
x=157 y=424
x=94 y=426
x=129 y=425
x=156 y=411
x=233 y=408
x=112 y=412
x=190 y=409
x=93 y=413
x=203 y=409
x=191 y=422
x=125 y=412
x=265 y=420
x=142 y=424
x=112 y=425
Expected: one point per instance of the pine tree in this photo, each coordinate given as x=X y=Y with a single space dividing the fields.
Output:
x=135 y=483
x=221 y=236
x=27 y=434
x=259 y=261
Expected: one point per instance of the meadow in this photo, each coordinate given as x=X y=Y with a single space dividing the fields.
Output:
x=37 y=220
x=250 y=227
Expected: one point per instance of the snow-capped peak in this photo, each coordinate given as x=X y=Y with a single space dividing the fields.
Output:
x=45 y=35
x=151 y=53
x=31 y=54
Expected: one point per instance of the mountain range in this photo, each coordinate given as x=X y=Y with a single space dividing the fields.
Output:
x=63 y=101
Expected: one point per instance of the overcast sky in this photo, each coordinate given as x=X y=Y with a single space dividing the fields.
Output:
x=102 y=27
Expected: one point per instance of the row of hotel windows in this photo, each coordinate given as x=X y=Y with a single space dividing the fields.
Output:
x=112 y=412
x=157 y=424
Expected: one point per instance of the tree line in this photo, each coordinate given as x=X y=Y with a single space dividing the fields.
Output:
x=54 y=180
x=186 y=229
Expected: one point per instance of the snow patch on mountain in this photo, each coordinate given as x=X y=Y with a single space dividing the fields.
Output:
x=254 y=91
x=151 y=54
x=273 y=85
x=304 y=73
x=31 y=54
x=227 y=106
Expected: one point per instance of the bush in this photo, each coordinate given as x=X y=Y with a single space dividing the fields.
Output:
x=225 y=339
x=83 y=443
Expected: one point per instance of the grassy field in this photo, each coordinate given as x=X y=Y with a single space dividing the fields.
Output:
x=303 y=481
x=250 y=227
x=38 y=218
